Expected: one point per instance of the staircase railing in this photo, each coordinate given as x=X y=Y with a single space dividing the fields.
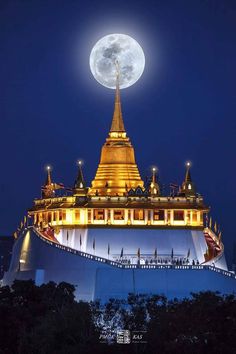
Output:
x=133 y=266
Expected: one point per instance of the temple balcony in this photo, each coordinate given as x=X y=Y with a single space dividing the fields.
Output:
x=75 y=217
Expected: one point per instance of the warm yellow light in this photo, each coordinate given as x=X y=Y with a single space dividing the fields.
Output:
x=83 y=215
x=69 y=216
x=117 y=135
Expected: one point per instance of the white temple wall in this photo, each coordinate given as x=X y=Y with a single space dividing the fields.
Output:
x=71 y=238
x=98 y=280
x=164 y=240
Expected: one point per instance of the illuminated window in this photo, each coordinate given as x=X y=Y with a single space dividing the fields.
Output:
x=189 y=186
x=77 y=214
x=119 y=214
x=99 y=214
x=129 y=214
x=89 y=215
x=158 y=215
x=168 y=216
x=188 y=216
x=178 y=215
x=194 y=216
x=138 y=214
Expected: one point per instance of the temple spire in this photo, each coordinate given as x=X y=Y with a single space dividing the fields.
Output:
x=188 y=178
x=188 y=187
x=154 y=187
x=154 y=175
x=117 y=171
x=80 y=185
x=79 y=182
x=117 y=124
x=48 y=180
x=48 y=190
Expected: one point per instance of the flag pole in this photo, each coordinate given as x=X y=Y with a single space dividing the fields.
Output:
x=108 y=250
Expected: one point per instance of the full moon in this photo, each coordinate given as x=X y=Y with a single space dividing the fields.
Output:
x=121 y=49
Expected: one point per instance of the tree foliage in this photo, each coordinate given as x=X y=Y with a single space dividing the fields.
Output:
x=48 y=319
x=44 y=319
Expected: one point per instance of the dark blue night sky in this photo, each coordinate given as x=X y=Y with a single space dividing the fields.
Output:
x=183 y=107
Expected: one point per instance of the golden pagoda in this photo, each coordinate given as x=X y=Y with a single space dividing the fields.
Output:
x=117 y=171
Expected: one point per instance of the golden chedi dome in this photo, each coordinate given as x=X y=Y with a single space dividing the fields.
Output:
x=117 y=171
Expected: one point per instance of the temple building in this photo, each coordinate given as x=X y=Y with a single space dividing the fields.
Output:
x=121 y=235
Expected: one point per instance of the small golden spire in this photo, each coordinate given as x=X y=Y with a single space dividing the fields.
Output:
x=188 y=187
x=79 y=185
x=117 y=124
x=154 y=175
x=154 y=187
x=48 y=189
x=188 y=175
x=48 y=181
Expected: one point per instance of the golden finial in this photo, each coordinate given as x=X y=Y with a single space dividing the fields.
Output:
x=154 y=171
x=48 y=187
x=117 y=124
x=188 y=175
x=154 y=187
x=48 y=181
x=79 y=182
